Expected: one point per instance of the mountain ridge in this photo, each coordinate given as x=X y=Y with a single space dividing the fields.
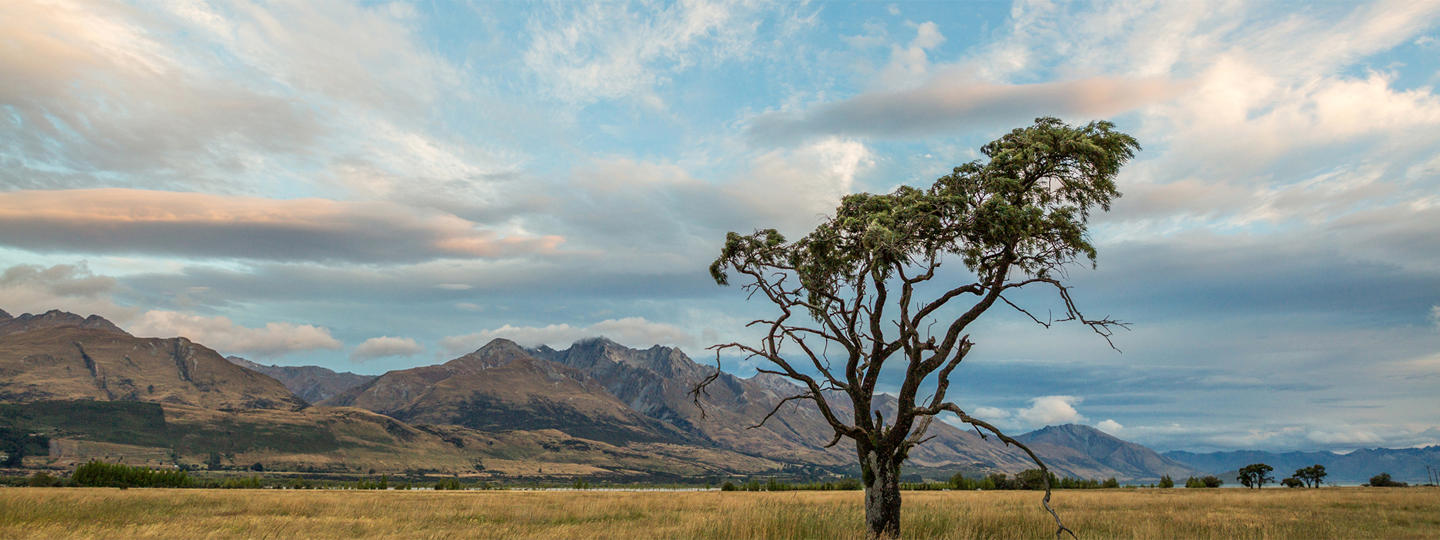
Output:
x=1403 y=464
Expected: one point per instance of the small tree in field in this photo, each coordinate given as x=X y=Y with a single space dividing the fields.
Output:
x=1256 y=475
x=1312 y=475
x=863 y=291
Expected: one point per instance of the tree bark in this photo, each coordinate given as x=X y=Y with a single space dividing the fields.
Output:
x=881 y=473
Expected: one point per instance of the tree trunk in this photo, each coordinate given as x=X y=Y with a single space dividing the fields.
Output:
x=881 y=473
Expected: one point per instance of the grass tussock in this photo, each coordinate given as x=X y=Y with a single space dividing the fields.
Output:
x=1174 y=513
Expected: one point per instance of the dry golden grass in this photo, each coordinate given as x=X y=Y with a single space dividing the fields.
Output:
x=1175 y=513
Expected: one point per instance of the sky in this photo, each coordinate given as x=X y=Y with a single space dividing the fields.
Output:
x=380 y=185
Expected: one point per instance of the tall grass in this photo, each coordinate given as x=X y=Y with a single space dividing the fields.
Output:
x=1108 y=513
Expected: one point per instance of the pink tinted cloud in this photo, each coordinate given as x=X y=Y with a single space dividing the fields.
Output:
x=204 y=225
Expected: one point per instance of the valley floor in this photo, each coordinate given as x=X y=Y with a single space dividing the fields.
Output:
x=1122 y=513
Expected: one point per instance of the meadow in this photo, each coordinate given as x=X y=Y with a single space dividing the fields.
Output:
x=1108 y=513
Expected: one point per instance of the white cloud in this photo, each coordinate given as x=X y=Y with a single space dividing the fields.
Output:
x=630 y=331
x=223 y=335
x=384 y=346
x=611 y=51
x=67 y=287
x=991 y=413
x=1109 y=426
x=909 y=65
x=1344 y=437
x=1050 y=410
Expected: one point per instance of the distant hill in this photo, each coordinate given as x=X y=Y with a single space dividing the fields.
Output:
x=312 y=383
x=656 y=382
x=1091 y=453
x=502 y=387
x=1403 y=464
x=63 y=356
x=595 y=408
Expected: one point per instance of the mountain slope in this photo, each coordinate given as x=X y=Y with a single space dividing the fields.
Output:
x=1403 y=464
x=63 y=356
x=657 y=381
x=312 y=383
x=1087 y=452
x=503 y=387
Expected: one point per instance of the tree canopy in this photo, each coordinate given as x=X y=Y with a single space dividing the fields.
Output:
x=866 y=283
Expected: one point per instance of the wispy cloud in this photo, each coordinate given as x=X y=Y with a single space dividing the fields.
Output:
x=955 y=101
x=224 y=335
x=385 y=346
x=202 y=225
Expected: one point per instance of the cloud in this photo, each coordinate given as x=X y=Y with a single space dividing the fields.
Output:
x=384 y=346
x=69 y=287
x=1109 y=426
x=631 y=331
x=952 y=101
x=90 y=88
x=665 y=214
x=595 y=52
x=1050 y=410
x=196 y=224
x=991 y=413
x=221 y=334
x=1435 y=316
x=910 y=64
x=1344 y=437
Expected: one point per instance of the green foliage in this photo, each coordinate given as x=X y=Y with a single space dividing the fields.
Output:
x=1033 y=196
x=1292 y=482
x=1312 y=476
x=126 y=422
x=383 y=483
x=1384 y=480
x=1110 y=483
x=1210 y=481
x=451 y=484
x=1166 y=482
x=101 y=474
x=44 y=479
x=1256 y=475
x=245 y=482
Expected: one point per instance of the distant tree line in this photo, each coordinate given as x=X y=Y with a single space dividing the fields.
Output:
x=1310 y=476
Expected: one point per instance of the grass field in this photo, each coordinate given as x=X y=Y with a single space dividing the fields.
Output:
x=1146 y=513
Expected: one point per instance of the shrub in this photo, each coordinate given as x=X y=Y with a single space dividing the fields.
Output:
x=44 y=479
x=1166 y=482
x=101 y=474
x=1384 y=480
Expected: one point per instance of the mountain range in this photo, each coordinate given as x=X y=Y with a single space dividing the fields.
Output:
x=596 y=408
x=1403 y=464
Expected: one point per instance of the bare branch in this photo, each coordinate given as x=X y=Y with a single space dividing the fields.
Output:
x=1044 y=471
x=782 y=403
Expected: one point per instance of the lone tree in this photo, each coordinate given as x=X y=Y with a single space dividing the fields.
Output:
x=863 y=292
x=1312 y=475
x=1256 y=475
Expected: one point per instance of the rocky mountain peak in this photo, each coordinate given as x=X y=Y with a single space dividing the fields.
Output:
x=498 y=352
x=4 y=316
x=56 y=319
